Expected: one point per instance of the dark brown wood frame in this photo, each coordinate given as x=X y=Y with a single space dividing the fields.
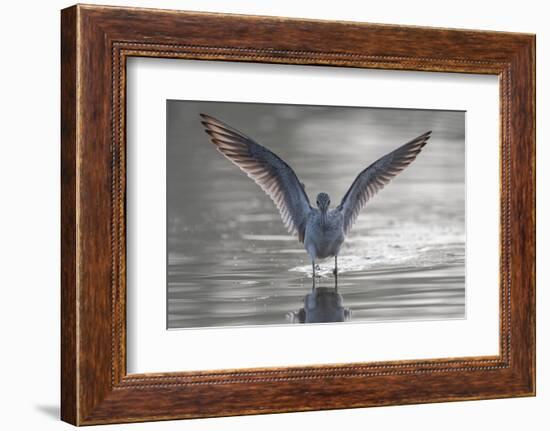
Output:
x=95 y=43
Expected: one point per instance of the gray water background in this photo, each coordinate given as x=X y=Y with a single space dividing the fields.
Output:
x=230 y=260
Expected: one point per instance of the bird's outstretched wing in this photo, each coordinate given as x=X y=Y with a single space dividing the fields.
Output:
x=269 y=171
x=376 y=176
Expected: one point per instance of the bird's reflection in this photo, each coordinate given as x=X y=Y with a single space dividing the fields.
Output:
x=322 y=305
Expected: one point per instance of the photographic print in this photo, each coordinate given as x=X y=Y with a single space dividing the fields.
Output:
x=290 y=214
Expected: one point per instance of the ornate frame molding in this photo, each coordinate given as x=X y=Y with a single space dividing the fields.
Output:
x=96 y=41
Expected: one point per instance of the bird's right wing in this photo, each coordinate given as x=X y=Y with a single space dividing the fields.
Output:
x=376 y=176
x=269 y=171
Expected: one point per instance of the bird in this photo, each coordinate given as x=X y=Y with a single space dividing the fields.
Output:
x=322 y=230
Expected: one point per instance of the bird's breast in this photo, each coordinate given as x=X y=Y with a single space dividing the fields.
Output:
x=323 y=238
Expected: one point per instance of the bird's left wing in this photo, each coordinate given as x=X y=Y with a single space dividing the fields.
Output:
x=376 y=176
x=270 y=172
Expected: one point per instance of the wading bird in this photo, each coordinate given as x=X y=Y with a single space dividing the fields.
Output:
x=321 y=230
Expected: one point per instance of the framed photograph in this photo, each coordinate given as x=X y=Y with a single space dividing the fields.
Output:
x=264 y=215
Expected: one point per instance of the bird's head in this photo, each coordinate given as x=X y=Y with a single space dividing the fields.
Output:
x=323 y=201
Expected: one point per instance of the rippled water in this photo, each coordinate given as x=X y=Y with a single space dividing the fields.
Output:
x=230 y=261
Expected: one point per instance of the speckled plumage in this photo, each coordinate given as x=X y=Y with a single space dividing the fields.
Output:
x=324 y=233
x=322 y=230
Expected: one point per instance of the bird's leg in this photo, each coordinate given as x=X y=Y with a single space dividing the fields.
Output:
x=335 y=272
x=313 y=266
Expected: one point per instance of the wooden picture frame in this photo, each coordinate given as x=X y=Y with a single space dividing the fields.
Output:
x=95 y=43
